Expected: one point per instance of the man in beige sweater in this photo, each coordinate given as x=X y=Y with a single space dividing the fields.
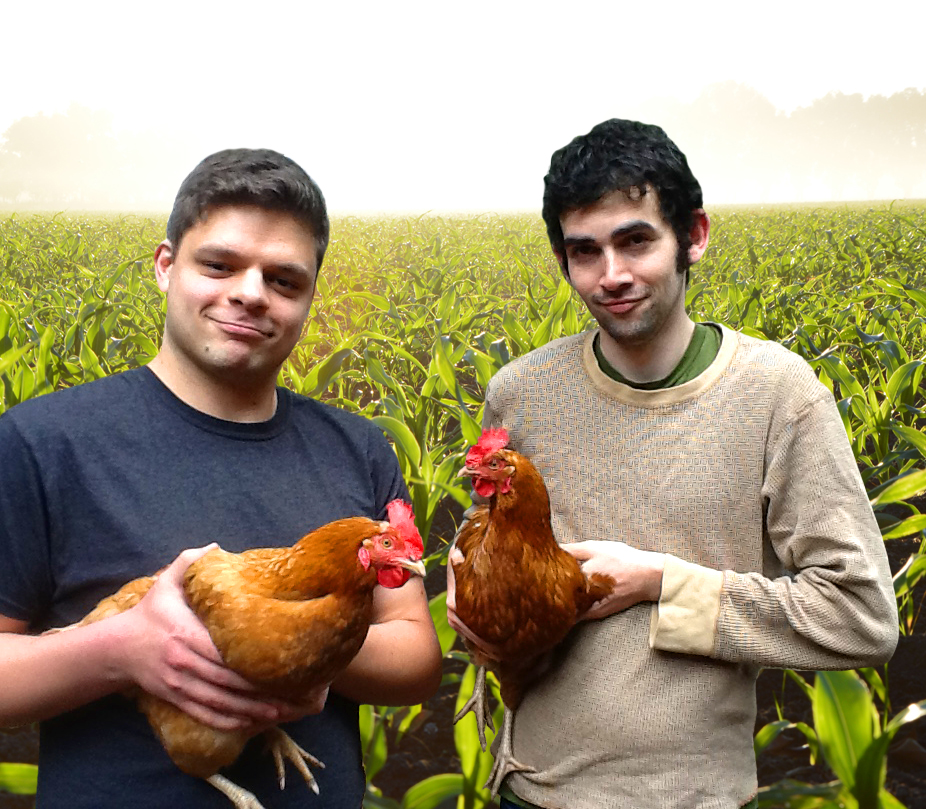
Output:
x=708 y=472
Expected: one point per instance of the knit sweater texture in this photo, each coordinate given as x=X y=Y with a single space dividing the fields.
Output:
x=745 y=478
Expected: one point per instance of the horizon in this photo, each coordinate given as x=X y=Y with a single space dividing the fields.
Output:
x=415 y=108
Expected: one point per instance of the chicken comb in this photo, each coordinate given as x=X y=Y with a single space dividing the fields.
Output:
x=402 y=518
x=490 y=441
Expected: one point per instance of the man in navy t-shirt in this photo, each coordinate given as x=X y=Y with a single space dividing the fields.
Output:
x=114 y=479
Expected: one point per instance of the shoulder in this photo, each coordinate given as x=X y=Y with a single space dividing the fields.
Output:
x=334 y=425
x=769 y=376
x=767 y=353
x=312 y=412
x=352 y=445
x=93 y=403
x=541 y=366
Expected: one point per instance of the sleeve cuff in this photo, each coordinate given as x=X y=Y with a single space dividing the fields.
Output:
x=685 y=618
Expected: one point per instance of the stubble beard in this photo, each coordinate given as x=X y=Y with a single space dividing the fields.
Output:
x=642 y=327
x=220 y=362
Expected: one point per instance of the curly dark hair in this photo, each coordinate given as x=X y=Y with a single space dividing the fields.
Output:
x=621 y=155
x=258 y=177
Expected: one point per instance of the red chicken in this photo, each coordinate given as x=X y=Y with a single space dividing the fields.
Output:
x=517 y=591
x=286 y=619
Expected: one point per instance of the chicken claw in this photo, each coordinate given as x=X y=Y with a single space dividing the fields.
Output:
x=505 y=761
x=237 y=795
x=478 y=703
x=282 y=746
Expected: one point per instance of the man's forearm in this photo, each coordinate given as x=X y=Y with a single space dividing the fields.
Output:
x=399 y=664
x=46 y=675
x=159 y=645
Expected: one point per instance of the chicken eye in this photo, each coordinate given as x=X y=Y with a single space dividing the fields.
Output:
x=387 y=543
x=493 y=464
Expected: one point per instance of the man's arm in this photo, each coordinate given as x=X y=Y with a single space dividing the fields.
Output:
x=834 y=608
x=400 y=661
x=158 y=645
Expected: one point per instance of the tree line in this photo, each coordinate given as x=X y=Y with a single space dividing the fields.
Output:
x=840 y=147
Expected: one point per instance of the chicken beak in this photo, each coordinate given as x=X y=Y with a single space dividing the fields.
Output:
x=466 y=472
x=416 y=566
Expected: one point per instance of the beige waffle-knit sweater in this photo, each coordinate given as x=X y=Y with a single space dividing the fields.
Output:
x=744 y=476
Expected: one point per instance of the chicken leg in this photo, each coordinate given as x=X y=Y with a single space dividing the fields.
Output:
x=478 y=703
x=237 y=795
x=505 y=761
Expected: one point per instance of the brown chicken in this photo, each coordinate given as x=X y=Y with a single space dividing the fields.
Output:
x=286 y=619
x=516 y=589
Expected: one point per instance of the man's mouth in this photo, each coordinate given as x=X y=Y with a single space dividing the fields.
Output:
x=241 y=328
x=618 y=305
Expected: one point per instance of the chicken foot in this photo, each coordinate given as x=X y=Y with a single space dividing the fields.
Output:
x=282 y=746
x=505 y=761
x=478 y=703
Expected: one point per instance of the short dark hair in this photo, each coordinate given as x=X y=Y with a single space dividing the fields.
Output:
x=621 y=155
x=258 y=177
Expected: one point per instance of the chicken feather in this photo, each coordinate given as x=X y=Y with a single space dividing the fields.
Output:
x=516 y=589
x=287 y=619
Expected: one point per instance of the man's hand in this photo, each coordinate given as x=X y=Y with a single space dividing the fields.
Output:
x=483 y=648
x=170 y=654
x=637 y=574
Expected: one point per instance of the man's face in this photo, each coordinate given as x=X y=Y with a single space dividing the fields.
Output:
x=622 y=259
x=238 y=291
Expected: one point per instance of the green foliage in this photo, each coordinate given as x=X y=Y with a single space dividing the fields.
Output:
x=853 y=737
x=412 y=318
x=19 y=779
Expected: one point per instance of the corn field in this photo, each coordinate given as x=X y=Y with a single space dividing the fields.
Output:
x=411 y=319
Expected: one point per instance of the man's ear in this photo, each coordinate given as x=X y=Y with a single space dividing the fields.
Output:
x=563 y=266
x=163 y=262
x=700 y=235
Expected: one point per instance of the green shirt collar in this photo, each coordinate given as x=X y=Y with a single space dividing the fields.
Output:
x=701 y=352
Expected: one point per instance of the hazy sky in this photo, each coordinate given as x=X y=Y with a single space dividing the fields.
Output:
x=414 y=106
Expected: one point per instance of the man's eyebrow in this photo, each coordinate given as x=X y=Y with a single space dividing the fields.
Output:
x=634 y=226
x=220 y=252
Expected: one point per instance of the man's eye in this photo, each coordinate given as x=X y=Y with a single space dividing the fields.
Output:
x=216 y=266
x=282 y=283
x=583 y=251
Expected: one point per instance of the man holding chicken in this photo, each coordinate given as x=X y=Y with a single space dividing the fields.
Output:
x=109 y=481
x=707 y=473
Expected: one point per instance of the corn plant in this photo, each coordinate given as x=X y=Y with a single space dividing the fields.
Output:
x=850 y=735
x=412 y=318
x=18 y=779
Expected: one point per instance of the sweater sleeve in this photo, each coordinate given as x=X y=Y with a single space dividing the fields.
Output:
x=833 y=605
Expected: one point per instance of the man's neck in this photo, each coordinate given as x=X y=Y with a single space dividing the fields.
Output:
x=654 y=359
x=246 y=403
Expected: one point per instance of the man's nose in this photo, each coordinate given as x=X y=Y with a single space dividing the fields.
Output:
x=250 y=289
x=616 y=269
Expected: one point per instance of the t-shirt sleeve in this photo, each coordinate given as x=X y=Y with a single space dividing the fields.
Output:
x=386 y=474
x=25 y=573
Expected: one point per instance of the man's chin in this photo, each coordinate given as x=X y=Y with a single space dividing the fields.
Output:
x=626 y=331
x=237 y=368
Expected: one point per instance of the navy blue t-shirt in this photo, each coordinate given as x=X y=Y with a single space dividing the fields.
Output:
x=108 y=481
